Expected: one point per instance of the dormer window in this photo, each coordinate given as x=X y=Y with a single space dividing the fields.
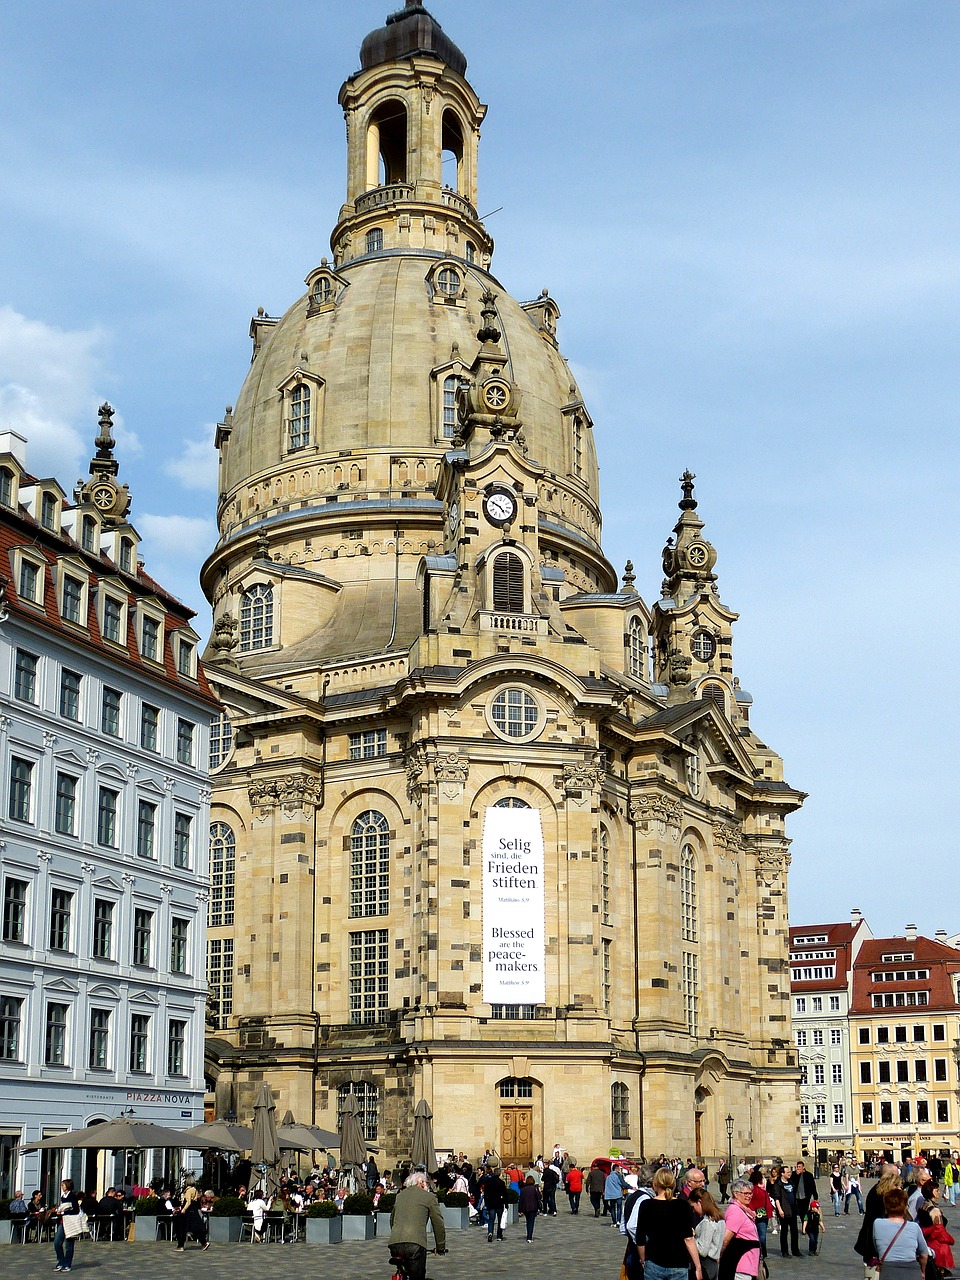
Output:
x=323 y=290
x=445 y=281
x=7 y=486
x=449 y=282
x=638 y=648
x=126 y=555
x=88 y=533
x=48 y=511
x=31 y=581
x=150 y=637
x=72 y=599
x=187 y=658
x=298 y=425
x=112 y=624
x=451 y=386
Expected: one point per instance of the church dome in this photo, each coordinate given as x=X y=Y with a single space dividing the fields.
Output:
x=409 y=31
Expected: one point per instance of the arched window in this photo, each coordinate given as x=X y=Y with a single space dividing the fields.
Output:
x=604 y=875
x=511 y=802
x=323 y=290
x=508 y=582
x=374 y=240
x=638 y=648
x=370 y=865
x=688 y=894
x=367 y=1098
x=298 y=424
x=256 y=618
x=451 y=144
x=714 y=693
x=577 y=443
x=513 y=1087
x=619 y=1111
x=451 y=385
x=223 y=857
x=470 y=252
x=221 y=740
x=387 y=145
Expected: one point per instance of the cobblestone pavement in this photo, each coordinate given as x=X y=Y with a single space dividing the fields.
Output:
x=581 y=1246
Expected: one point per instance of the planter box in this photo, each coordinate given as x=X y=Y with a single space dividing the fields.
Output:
x=358 y=1226
x=324 y=1230
x=455 y=1219
x=224 y=1230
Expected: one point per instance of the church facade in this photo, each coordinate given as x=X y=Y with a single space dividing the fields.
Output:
x=487 y=830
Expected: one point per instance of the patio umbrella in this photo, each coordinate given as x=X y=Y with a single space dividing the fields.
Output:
x=265 y=1146
x=228 y=1137
x=123 y=1134
x=304 y=1137
x=352 y=1147
x=422 y=1151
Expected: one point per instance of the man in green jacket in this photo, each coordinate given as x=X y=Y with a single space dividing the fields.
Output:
x=408 y=1225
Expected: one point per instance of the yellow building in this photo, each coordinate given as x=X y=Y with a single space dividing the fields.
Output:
x=487 y=829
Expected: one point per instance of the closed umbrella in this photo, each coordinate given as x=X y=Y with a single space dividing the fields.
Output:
x=304 y=1137
x=423 y=1151
x=352 y=1147
x=265 y=1146
x=123 y=1134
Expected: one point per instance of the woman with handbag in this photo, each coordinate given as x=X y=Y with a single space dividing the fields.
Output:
x=69 y=1207
x=899 y=1243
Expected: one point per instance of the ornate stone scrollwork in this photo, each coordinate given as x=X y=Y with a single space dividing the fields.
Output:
x=773 y=863
x=295 y=790
x=414 y=762
x=727 y=838
x=451 y=768
x=658 y=815
x=585 y=775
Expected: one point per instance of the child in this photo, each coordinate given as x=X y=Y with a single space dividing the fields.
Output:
x=813 y=1225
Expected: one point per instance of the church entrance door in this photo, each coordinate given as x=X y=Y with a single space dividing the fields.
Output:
x=516 y=1134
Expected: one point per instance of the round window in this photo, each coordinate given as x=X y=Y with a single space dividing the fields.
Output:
x=511 y=802
x=515 y=713
x=704 y=646
x=448 y=281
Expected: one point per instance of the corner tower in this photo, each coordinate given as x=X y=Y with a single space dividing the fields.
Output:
x=418 y=640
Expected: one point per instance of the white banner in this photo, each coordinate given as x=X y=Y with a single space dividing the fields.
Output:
x=513 y=926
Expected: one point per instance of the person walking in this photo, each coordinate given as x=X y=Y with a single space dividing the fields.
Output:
x=62 y=1243
x=613 y=1189
x=812 y=1226
x=530 y=1205
x=574 y=1187
x=836 y=1189
x=851 y=1187
x=596 y=1180
x=761 y=1206
x=723 y=1181
x=780 y=1192
x=740 y=1252
x=414 y=1206
x=665 y=1239
x=551 y=1180
x=494 y=1200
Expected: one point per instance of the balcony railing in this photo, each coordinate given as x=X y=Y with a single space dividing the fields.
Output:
x=380 y=196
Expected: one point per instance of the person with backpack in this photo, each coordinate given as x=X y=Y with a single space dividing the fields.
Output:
x=631 y=1209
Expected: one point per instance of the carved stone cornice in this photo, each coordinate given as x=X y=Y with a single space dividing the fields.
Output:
x=657 y=814
x=293 y=790
x=773 y=863
x=728 y=838
x=584 y=775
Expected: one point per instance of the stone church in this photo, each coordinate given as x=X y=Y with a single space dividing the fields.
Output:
x=425 y=658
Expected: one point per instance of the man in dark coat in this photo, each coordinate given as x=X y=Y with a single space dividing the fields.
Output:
x=494 y=1202
x=804 y=1190
x=414 y=1206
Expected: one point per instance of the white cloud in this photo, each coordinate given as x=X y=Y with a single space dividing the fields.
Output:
x=175 y=535
x=48 y=382
x=197 y=466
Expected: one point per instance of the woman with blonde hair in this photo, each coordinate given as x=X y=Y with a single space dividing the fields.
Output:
x=665 y=1239
x=873 y=1209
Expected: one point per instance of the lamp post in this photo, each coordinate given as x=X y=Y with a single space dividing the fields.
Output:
x=729 y=1122
x=814 y=1130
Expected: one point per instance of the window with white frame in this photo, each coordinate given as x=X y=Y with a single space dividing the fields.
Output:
x=7 y=485
x=221 y=740
x=606 y=987
x=25 y=676
x=139 y=1042
x=61 y=912
x=103 y=929
x=65 y=805
x=801 y=1039
x=48 y=511
x=112 y=619
x=818 y=1073
x=149 y=727
x=142 y=936
x=185 y=733
x=451 y=385
x=11 y=1012
x=108 y=803
x=14 y=927
x=688 y=894
x=99 y=1059
x=72 y=599
x=368 y=743
x=20 y=796
x=220 y=979
x=366 y=1097
x=223 y=852
x=146 y=829
x=836 y=1035
x=110 y=705
x=818 y=1036
x=369 y=982
x=298 y=421
x=374 y=240
x=638 y=648
x=370 y=865
x=176 y=1046
x=55 y=1035
x=31 y=581
x=88 y=533
x=515 y=713
x=834 y=1004
x=690 y=987
x=836 y=1073
x=816 y=1004
x=179 y=928
x=186 y=658
x=182 y=836
x=70 y=682
x=820 y=1112
x=256 y=618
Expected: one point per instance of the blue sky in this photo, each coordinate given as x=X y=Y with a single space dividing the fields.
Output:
x=748 y=214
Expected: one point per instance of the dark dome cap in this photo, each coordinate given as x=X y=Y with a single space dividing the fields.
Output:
x=412 y=30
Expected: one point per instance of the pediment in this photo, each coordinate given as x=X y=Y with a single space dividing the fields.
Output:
x=701 y=721
x=144 y=997
x=111 y=771
x=107 y=882
x=103 y=989
x=150 y=787
x=60 y=986
x=70 y=758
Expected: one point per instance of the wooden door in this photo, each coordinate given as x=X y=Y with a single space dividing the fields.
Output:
x=516 y=1134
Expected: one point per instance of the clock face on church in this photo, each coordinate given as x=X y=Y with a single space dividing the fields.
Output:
x=500 y=506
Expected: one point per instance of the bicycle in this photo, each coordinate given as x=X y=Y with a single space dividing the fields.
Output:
x=399 y=1263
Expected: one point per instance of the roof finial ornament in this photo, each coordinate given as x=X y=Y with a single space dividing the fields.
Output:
x=105 y=442
x=689 y=502
x=488 y=331
x=629 y=578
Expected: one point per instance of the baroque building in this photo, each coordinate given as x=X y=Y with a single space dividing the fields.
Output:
x=419 y=641
x=104 y=719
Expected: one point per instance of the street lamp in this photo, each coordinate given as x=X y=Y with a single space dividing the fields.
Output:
x=729 y=1122
x=814 y=1130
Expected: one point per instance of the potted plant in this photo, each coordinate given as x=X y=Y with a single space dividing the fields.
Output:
x=324 y=1224
x=358 y=1220
x=455 y=1207
x=385 y=1204
x=225 y=1218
